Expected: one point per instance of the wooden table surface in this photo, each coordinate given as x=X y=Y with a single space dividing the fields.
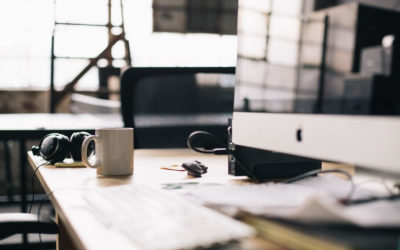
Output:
x=67 y=185
x=32 y=126
x=23 y=127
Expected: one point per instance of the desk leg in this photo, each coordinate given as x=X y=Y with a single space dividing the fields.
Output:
x=22 y=173
x=9 y=179
x=64 y=241
x=22 y=180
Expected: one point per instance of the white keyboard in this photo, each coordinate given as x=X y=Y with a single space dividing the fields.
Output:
x=158 y=219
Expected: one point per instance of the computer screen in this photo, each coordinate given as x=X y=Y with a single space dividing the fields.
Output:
x=319 y=84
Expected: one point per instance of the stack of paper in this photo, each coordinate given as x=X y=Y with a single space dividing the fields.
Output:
x=310 y=200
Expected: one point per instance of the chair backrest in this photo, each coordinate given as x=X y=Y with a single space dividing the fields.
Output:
x=165 y=104
x=24 y=223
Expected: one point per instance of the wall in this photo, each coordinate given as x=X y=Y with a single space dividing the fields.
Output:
x=21 y=101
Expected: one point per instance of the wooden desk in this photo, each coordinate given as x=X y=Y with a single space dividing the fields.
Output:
x=23 y=127
x=82 y=230
x=149 y=129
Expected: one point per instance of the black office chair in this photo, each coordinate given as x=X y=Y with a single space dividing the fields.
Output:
x=24 y=223
x=164 y=105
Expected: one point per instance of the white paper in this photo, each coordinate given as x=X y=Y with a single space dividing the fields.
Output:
x=311 y=200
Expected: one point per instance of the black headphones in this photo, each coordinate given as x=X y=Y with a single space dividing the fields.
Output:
x=56 y=147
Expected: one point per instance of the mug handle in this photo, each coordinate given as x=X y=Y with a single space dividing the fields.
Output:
x=85 y=146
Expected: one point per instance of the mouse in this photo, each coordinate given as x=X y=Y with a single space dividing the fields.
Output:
x=195 y=168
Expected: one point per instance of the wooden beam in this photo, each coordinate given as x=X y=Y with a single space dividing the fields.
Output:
x=59 y=95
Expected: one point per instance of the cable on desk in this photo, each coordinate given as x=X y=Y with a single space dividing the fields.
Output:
x=33 y=184
x=321 y=171
x=38 y=213
x=221 y=150
x=318 y=171
x=380 y=180
x=391 y=197
x=206 y=135
x=348 y=201
x=47 y=197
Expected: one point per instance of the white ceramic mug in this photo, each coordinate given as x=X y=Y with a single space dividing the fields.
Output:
x=113 y=151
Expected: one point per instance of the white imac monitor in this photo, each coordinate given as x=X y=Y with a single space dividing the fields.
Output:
x=299 y=89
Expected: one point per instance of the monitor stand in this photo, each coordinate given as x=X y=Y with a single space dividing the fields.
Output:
x=263 y=164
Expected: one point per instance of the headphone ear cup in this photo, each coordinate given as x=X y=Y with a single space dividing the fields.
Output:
x=36 y=150
x=54 y=147
x=76 y=141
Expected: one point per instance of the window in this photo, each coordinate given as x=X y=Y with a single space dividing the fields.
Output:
x=196 y=16
x=25 y=43
x=28 y=25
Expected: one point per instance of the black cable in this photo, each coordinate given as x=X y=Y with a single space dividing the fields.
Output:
x=320 y=171
x=346 y=201
x=222 y=150
x=47 y=196
x=371 y=199
x=33 y=184
x=317 y=171
x=207 y=135
x=38 y=214
x=349 y=201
